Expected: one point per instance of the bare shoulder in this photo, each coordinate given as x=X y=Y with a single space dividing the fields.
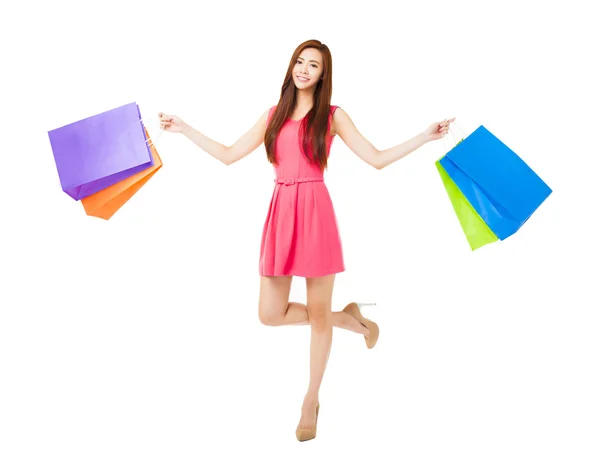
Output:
x=265 y=115
x=336 y=120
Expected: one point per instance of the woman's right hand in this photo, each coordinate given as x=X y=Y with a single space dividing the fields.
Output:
x=170 y=123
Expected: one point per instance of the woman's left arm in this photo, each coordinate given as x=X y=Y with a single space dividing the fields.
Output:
x=379 y=159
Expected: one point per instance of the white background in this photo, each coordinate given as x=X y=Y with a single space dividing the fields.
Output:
x=136 y=342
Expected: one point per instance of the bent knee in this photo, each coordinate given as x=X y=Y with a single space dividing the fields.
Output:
x=269 y=318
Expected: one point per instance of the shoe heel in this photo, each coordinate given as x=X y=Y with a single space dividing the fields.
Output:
x=360 y=305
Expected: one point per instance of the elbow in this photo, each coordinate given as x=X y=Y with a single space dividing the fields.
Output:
x=376 y=160
x=226 y=157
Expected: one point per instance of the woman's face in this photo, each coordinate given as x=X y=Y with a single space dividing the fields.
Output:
x=309 y=65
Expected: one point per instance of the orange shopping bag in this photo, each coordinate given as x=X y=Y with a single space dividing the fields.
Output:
x=105 y=203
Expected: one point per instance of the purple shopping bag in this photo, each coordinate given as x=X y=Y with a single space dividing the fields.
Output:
x=99 y=151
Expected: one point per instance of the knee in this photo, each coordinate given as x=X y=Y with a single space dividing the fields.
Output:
x=268 y=318
x=318 y=317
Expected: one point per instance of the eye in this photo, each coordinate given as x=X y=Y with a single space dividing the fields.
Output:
x=314 y=65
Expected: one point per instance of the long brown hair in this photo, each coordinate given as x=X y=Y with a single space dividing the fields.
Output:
x=315 y=125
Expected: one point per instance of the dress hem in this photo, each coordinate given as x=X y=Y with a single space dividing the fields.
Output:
x=292 y=274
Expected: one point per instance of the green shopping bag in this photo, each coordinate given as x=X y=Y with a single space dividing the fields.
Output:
x=476 y=230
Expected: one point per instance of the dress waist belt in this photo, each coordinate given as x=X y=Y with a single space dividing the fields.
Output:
x=290 y=181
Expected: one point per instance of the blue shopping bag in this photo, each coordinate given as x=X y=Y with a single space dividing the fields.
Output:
x=498 y=184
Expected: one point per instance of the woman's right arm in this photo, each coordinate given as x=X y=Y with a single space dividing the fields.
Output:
x=229 y=154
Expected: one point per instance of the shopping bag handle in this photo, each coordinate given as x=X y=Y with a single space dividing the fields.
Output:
x=149 y=141
x=458 y=135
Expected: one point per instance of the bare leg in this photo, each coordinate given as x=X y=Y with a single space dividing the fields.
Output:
x=319 y=292
x=297 y=314
x=274 y=309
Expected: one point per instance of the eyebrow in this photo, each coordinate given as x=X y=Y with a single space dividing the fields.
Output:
x=309 y=60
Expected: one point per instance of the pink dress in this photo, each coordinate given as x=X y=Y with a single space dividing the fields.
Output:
x=300 y=235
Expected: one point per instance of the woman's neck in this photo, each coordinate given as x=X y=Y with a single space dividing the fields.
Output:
x=304 y=101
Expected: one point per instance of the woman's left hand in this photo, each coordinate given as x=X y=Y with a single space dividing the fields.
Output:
x=438 y=129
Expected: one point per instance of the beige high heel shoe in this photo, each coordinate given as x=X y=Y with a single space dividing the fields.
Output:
x=305 y=434
x=354 y=310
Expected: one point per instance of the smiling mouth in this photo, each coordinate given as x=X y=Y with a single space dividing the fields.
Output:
x=302 y=78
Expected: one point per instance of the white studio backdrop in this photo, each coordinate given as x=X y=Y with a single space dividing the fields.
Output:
x=135 y=342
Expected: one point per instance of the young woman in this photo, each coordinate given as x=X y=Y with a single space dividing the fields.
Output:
x=300 y=234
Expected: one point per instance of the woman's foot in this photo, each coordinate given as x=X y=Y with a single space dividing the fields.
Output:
x=372 y=329
x=308 y=419
x=355 y=325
